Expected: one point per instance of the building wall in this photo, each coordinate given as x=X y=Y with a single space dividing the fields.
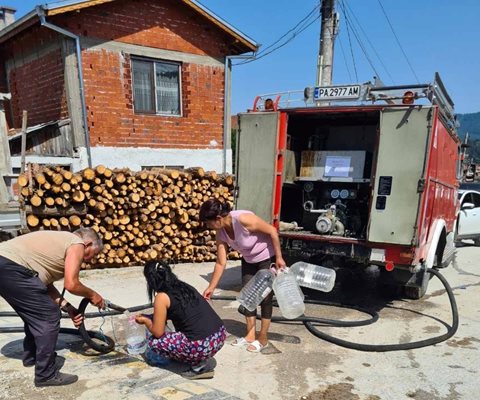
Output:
x=110 y=35
x=35 y=72
x=113 y=122
x=163 y=25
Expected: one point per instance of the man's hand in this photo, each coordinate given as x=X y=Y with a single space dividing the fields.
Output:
x=207 y=294
x=97 y=300
x=75 y=316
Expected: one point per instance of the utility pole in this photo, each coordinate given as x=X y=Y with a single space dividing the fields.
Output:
x=328 y=32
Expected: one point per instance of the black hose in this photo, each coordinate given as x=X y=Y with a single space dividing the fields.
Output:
x=401 y=346
x=309 y=322
x=88 y=336
x=332 y=322
x=108 y=344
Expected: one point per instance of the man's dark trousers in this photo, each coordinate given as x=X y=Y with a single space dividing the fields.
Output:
x=27 y=295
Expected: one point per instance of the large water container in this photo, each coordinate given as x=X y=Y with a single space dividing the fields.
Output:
x=314 y=276
x=289 y=295
x=136 y=336
x=256 y=289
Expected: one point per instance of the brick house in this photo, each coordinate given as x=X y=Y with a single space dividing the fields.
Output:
x=152 y=87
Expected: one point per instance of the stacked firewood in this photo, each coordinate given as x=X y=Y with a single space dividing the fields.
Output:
x=146 y=215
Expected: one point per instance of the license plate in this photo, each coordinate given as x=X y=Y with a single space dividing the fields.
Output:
x=350 y=92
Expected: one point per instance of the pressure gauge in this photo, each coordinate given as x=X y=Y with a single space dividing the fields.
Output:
x=344 y=194
x=308 y=187
x=334 y=194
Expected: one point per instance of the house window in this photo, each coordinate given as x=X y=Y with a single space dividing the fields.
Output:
x=156 y=87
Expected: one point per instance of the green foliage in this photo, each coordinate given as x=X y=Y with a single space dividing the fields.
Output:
x=471 y=123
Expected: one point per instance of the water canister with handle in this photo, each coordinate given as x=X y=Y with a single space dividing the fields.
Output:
x=256 y=289
x=136 y=336
x=314 y=276
x=288 y=294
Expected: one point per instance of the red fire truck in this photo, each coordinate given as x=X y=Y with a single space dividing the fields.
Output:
x=356 y=175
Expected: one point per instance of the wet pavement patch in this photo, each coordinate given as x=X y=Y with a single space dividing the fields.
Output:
x=339 y=391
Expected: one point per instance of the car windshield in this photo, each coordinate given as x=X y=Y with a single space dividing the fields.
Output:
x=470 y=186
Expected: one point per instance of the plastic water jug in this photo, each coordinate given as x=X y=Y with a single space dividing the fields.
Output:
x=136 y=336
x=256 y=289
x=289 y=295
x=314 y=276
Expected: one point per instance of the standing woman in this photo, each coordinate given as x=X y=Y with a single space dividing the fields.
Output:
x=258 y=243
x=199 y=331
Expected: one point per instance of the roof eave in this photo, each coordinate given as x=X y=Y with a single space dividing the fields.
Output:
x=244 y=43
x=248 y=43
x=19 y=25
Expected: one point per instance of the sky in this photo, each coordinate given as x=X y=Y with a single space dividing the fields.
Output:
x=434 y=35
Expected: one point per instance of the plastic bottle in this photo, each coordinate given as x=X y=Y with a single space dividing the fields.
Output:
x=289 y=295
x=256 y=289
x=314 y=276
x=136 y=336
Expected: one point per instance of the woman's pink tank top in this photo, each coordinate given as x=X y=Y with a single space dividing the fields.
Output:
x=253 y=246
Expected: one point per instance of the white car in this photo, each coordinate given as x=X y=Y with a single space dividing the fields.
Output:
x=468 y=222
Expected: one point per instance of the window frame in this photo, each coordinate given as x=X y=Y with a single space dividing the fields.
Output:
x=153 y=83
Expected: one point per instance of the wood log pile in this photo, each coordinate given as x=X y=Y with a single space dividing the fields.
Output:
x=146 y=215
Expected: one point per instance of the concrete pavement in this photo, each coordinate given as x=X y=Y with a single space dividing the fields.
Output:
x=296 y=365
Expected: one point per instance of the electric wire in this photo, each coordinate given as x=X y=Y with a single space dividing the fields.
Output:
x=359 y=41
x=398 y=41
x=345 y=59
x=351 y=48
x=291 y=30
x=357 y=21
x=297 y=30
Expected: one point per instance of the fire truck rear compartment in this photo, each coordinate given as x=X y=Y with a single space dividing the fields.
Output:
x=328 y=172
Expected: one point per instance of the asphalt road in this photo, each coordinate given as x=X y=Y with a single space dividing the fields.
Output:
x=296 y=365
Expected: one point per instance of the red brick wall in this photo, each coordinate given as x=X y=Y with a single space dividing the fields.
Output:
x=3 y=76
x=165 y=24
x=36 y=85
x=112 y=121
x=162 y=24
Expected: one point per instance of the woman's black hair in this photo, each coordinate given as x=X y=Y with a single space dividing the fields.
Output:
x=213 y=208
x=160 y=278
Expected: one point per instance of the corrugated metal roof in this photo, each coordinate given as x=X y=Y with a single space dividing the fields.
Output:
x=63 y=6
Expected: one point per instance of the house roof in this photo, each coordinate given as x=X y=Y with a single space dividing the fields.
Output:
x=64 y=6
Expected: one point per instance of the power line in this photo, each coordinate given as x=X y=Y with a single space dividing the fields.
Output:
x=351 y=47
x=345 y=59
x=362 y=47
x=398 y=41
x=301 y=26
x=292 y=29
x=369 y=41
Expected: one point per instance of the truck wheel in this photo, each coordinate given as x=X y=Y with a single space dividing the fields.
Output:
x=476 y=242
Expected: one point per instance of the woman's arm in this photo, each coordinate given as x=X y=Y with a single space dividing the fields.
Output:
x=252 y=223
x=160 y=307
x=218 y=270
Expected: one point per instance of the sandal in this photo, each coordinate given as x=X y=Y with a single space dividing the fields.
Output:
x=257 y=346
x=240 y=342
